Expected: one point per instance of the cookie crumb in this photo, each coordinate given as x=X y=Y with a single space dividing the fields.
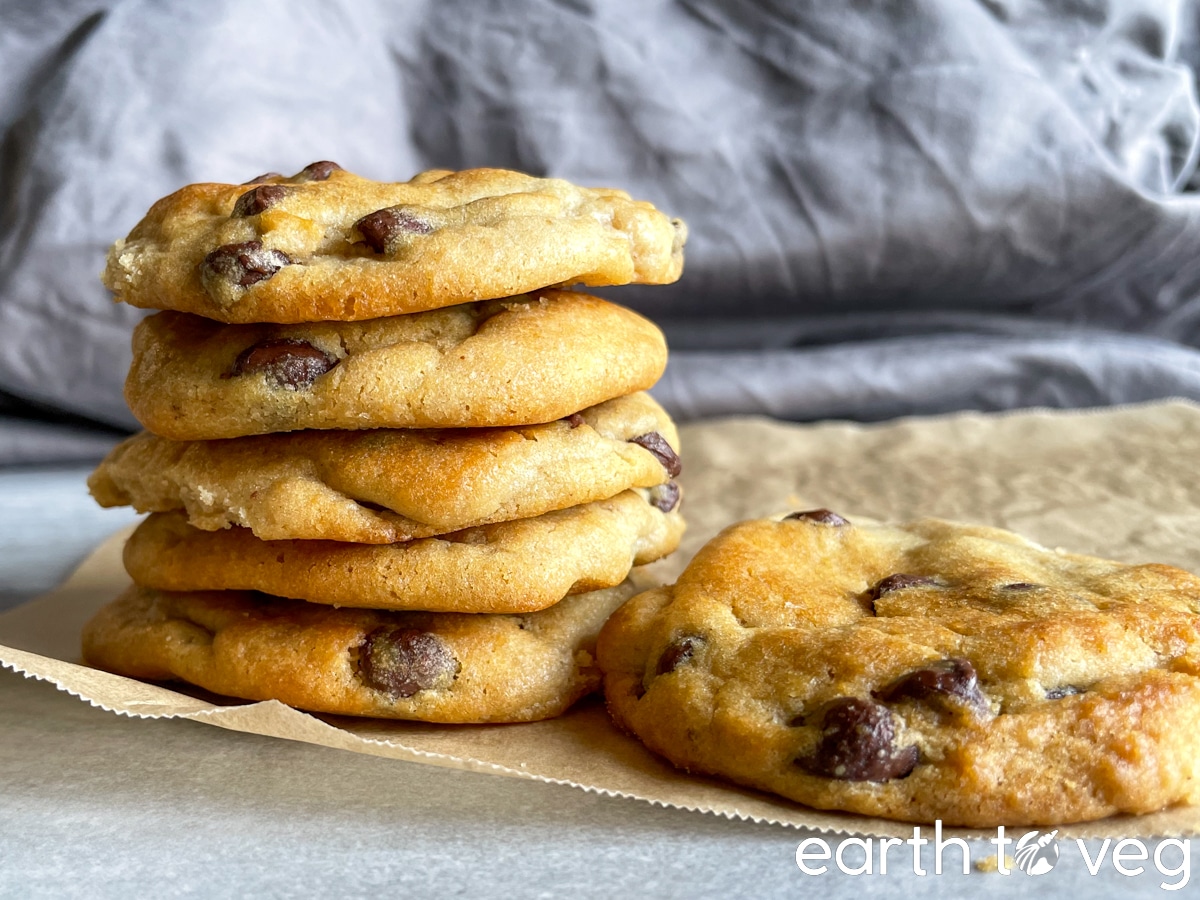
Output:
x=992 y=863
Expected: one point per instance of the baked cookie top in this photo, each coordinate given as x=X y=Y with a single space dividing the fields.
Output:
x=388 y=485
x=520 y=361
x=436 y=667
x=921 y=671
x=517 y=566
x=328 y=245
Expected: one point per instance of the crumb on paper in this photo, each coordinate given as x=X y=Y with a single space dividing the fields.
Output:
x=992 y=863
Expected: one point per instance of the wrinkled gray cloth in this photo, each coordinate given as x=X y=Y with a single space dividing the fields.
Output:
x=895 y=207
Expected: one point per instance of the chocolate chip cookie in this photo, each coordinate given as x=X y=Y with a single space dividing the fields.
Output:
x=520 y=361
x=328 y=245
x=922 y=671
x=435 y=667
x=518 y=566
x=389 y=485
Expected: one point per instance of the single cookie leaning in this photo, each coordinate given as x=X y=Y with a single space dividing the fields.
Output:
x=519 y=566
x=918 y=672
x=505 y=362
x=436 y=667
x=389 y=485
x=326 y=244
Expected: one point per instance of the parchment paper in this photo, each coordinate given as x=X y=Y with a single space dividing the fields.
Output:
x=1120 y=483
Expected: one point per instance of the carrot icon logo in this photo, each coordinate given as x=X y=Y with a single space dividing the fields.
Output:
x=1036 y=853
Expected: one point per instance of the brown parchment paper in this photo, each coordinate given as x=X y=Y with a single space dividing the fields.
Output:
x=1122 y=483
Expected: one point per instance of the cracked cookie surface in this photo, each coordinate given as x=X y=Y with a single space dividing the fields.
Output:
x=521 y=361
x=388 y=485
x=329 y=245
x=518 y=566
x=924 y=671
x=434 y=667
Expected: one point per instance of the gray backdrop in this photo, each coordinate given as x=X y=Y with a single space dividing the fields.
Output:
x=895 y=207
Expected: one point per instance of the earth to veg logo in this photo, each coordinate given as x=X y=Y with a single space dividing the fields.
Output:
x=1036 y=853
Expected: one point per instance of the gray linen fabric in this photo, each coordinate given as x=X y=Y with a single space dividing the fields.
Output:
x=896 y=207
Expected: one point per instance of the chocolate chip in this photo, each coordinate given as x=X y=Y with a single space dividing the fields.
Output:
x=822 y=516
x=665 y=496
x=318 y=171
x=1066 y=690
x=380 y=228
x=258 y=199
x=574 y=420
x=293 y=364
x=678 y=652
x=946 y=679
x=898 y=582
x=269 y=176
x=403 y=661
x=858 y=740
x=243 y=264
x=657 y=444
x=1020 y=586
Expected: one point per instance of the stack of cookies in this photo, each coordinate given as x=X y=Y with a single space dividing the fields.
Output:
x=389 y=471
